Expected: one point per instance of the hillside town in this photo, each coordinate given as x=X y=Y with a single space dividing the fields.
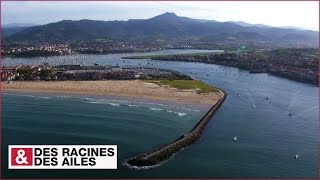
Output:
x=35 y=49
x=44 y=49
x=296 y=64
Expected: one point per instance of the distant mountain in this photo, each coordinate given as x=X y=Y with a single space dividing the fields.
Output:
x=244 y=24
x=241 y=23
x=9 y=29
x=167 y=26
x=14 y=25
x=292 y=27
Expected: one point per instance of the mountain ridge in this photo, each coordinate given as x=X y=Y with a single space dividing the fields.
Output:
x=165 y=26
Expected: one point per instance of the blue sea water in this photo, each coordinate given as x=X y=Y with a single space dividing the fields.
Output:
x=268 y=138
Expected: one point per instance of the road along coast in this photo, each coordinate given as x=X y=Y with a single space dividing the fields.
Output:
x=160 y=155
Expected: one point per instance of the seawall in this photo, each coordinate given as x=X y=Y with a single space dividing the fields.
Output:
x=165 y=152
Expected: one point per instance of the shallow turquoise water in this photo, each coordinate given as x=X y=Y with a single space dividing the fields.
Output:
x=268 y=138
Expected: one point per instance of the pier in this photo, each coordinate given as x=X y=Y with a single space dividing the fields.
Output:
x=165 y=152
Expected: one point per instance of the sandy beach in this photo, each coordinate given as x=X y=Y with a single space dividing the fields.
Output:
x=122 y=88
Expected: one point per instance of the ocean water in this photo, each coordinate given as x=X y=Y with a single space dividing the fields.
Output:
x=268 y=138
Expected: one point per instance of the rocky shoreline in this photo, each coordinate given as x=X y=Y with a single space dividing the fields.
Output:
x=165 y=152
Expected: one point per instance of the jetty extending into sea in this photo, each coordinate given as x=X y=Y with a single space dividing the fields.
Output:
x=165 y=152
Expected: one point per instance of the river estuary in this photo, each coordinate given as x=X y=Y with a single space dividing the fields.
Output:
x=256 y=110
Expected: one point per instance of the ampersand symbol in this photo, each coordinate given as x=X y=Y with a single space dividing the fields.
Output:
x=20 y=159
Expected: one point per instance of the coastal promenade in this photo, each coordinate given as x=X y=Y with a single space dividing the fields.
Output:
x=165 y=152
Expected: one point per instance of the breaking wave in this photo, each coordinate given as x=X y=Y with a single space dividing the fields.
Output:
x=139 y=105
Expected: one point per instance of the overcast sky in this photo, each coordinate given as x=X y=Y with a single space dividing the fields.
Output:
x=298 y=14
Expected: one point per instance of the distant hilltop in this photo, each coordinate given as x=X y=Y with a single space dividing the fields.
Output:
x=167 y=26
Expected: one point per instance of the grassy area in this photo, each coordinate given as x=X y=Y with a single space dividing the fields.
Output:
x=166 y=55
x=186 y=84
x=140 y=57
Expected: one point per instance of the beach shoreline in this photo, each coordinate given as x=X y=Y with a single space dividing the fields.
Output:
x=136 y=89
x=127 y=89
x=122 y=100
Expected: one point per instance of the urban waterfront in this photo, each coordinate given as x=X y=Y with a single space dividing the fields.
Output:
x=273 y=118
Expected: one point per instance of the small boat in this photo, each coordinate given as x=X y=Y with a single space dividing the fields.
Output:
x=235 y=138
x=238 y=95
x=253 y=106
x=296 y=156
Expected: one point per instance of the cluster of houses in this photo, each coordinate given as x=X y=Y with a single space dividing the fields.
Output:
x=296 y=64
x=39 y=49
x=35 y=49
x=9 y=73
x=292 y=63
x=78 y=72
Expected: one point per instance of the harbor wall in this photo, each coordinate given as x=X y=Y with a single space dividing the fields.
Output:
x=165 y=152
